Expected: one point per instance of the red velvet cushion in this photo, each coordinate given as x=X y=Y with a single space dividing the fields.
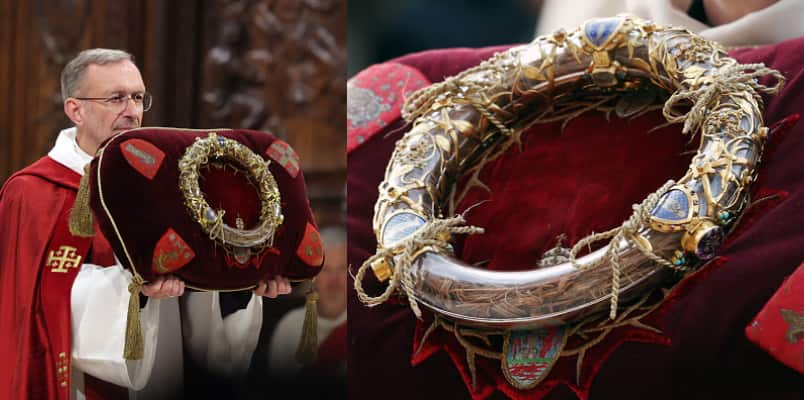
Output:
x=575 y=182
x=142 y=194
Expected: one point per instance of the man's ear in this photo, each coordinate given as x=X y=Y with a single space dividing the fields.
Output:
x=74 y=111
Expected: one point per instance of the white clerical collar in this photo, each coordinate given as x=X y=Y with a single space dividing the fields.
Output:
x=66 y=151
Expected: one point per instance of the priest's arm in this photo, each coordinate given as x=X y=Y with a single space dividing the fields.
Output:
x=99 y=302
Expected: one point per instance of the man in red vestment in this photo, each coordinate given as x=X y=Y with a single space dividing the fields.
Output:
x=62 y=298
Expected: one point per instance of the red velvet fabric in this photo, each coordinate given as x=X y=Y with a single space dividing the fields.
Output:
x=229 y=191
x=575 y=182
x=144 y=209
x=380 y=90
x=331 y=359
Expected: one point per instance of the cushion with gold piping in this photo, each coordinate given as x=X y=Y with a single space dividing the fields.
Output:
x=221 y=209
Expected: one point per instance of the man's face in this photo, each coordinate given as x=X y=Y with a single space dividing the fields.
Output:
x=331 y=281
x=101 y=120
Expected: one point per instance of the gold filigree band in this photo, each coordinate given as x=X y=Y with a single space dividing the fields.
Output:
x=233 y=239
x=621 y=63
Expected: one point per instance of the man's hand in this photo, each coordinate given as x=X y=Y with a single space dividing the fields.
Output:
x=164 y=287
x=273 y=288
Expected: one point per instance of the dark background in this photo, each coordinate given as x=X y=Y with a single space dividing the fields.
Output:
x=381 y=29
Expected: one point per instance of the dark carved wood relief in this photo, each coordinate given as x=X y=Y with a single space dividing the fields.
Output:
x=62 y=25
x=231 y=85
x=38 y=39
x=280 y=66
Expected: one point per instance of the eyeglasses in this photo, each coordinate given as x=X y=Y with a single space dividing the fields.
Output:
x=118 y=102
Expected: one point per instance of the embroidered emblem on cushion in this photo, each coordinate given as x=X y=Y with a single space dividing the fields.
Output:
x=171 y=253
x=795 y=325
x=311 y=249
x=531 y=354
x=779 y=327
x=374 y=99
x=143 y=156
x=284 y=155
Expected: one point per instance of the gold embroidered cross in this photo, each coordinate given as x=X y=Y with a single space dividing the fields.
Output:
x=63 y=258
x=63 y=370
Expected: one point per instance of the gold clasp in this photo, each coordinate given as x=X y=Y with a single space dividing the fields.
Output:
x=382 y=269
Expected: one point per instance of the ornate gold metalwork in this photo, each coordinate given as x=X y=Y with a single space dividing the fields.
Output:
x=700 y=234
x=234 y=239
x=683 y=215
x=382 y=269
x=621 y=63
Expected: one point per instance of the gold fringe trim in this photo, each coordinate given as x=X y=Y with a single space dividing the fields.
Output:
x=80 y=220
x=134 y=348
x=307 y=352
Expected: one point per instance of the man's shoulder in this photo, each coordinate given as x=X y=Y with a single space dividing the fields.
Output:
x=44 y=171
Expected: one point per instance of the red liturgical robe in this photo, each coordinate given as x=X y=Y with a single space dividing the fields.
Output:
x=35 y=289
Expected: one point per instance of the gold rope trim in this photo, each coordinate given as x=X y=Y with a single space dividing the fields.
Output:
x=628 y=231
x=134 y=346
x=730 y=79
x=433 y=234
x=109 y=214
x=80 y=221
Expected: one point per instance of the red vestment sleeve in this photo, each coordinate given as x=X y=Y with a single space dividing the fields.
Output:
x=331 y=353
x=30 y=203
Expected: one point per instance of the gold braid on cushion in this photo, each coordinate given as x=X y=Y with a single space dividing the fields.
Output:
x=621 y=63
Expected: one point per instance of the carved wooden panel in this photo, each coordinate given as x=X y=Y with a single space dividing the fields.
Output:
x=37 y=39
x=274 y=65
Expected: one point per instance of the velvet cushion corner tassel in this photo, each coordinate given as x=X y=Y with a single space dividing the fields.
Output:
x=307 y=352
x=134 y=348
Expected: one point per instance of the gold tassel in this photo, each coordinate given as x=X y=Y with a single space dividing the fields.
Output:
x=307 y=352
x=80 y=221
x=133 y=349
